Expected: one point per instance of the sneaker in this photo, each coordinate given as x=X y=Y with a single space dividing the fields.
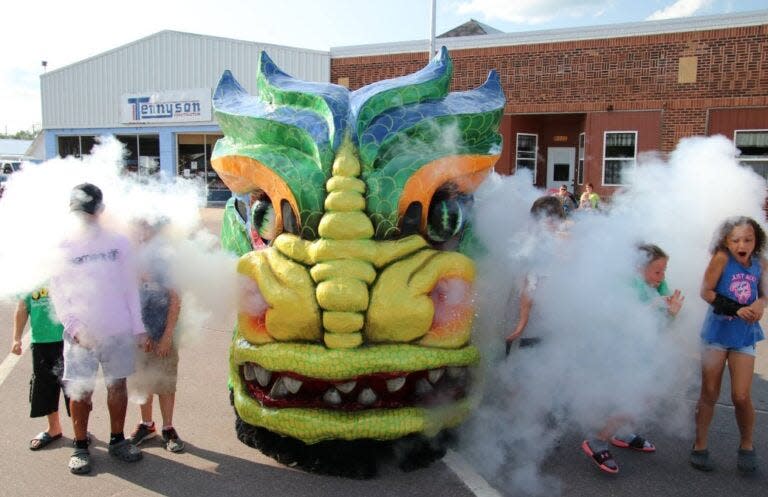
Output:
x=700 y=460
x=172 y=441
x=80 y=462
x=142 y=433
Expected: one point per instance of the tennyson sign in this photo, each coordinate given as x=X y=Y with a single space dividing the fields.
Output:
x=166 y=107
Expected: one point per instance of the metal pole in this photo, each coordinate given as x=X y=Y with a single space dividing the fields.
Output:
x=432 y=16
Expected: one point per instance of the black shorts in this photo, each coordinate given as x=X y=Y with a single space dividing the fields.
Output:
x=45 y=385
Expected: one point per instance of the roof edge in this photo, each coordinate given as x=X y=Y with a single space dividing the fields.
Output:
x=630 y=29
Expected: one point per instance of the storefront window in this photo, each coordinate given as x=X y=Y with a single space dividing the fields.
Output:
x=618 y=156
x=194 y=162
x=527 y=145
x=76 y=146
x=753 y=148
x=142 y=154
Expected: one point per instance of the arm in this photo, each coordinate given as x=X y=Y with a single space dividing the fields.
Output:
x=712 y=275
x=758 y=306
x=526 y=303
x=19 y=322
x=174 y=307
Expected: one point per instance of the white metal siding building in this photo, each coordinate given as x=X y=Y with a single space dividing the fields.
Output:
x=97 y=96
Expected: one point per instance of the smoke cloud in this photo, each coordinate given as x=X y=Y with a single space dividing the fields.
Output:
x=35 y=220
x=602 y=352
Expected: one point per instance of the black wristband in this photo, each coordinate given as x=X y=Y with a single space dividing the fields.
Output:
x=725 y=306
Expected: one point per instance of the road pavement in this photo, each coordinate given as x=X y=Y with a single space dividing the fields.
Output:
x=216 y=463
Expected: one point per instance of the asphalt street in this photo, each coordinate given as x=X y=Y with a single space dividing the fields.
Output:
x=216 y=463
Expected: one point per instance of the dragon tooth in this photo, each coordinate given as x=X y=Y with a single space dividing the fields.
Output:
x=332 y=396
x=457 y=372
x=395 y=384
x=423 y=387
x=249 y=371
x=278 y=389
x=292 y=384
x=346 y=387
x=367 y=397
x=262 y=376
x=434 y=375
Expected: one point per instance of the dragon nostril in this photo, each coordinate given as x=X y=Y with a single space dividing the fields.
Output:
x=450 y=296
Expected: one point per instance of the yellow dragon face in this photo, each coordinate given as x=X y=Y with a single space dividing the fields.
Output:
x=351 y=215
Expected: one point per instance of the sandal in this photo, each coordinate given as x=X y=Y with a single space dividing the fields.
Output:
x=746 y=461
x=42 y=439
x=125 y=451
x=635 y=443
x=603 y=458
x=80 y=462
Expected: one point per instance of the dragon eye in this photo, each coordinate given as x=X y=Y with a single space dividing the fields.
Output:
x=448 y=214
x=262 y=219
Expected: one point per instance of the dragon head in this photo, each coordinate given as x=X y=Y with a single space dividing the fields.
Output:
x=351 y=216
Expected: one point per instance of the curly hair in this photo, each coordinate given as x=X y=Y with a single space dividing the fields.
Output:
x=719 y=241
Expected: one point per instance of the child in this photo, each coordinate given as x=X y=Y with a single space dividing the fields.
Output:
x=549 y=211
x=652 y=289
x=589 y=199
x=47 y=362
x=732 y=286
x=157 y=366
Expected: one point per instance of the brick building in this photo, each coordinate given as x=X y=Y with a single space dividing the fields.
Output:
x=582 y=104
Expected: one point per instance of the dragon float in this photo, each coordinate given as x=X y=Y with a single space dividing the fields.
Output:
x=351 y=214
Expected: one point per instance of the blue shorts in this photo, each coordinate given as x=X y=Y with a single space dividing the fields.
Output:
x=749 y=349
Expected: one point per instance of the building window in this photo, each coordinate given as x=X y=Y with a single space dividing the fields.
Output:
x=142 y=154
x=76 y=146
x=753 y=145
x=580 y=165
x=527 y=146
x=194 y=161
x=618 y=155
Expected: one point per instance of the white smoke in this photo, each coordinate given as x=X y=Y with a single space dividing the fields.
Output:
x=603 y=352
x=35 y=220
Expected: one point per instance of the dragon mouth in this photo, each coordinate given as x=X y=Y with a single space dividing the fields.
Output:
x=425 y=388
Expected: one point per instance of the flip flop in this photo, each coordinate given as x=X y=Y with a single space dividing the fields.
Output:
x=41 y=440
x=603 y=458
x=637 y=443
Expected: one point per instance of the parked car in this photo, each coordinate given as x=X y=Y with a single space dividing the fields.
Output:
x=3 y=179
x=10 y=167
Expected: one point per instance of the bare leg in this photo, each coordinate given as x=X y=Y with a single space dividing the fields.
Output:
x=146 y=410
x=712 y=367
x=117 y=403
x=54 y=424
x=742 y=367
x=167 y=401
x=612 y=425
x=80 y=411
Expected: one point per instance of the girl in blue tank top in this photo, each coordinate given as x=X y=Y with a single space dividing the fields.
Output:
x=732 y=287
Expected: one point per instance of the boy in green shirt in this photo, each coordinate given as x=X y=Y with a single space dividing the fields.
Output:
x=47 y=361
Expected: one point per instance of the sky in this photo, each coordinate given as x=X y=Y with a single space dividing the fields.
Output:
x=62 y=33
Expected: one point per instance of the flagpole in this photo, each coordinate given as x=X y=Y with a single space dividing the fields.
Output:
x=432 y=16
